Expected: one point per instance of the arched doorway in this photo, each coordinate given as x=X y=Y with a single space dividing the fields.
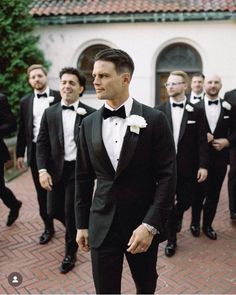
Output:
x=85 y=64
x=178 y=56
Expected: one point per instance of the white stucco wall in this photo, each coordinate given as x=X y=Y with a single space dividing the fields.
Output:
x=215 y=42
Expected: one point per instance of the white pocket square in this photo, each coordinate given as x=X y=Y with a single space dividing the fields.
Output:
x=191 y=122
x=226 y=117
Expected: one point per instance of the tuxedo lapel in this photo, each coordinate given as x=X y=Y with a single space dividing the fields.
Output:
x=30 y=107
x=220 y=117
x=168 y=114
x=59 y=124
x=78 y=121
x=183 y=125
x=130 y=141
x=97 y=142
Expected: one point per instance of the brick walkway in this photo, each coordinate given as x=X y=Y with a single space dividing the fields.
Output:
x=200 y=266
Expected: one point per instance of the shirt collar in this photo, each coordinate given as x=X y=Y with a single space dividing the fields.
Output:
x=46 y=91
x=75 y=104
x=178 y=102
x=127 y=104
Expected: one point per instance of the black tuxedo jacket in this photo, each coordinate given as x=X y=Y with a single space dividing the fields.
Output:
x=50 y=141
x=25 y=132
x=192 y=152
x=225 y=128
x=140 y=190
x=230 y=96
x=7 y=125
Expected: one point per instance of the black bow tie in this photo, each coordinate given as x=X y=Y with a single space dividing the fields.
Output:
x=197 y=97
x=180 y=105
x=41 y=95
x=212 y=102
x=68 y=108
x=118 y=113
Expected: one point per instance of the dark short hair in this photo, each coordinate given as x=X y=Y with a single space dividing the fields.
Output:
x=36 y=66
x=198 y=74
x=122 y=61
x=73 y=71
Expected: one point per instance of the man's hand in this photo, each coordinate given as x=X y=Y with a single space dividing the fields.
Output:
x=210 y=137
x=220 y=143
x=20 y=163
x=202 y=175
x=45 y=180
x=140 y=240
x=82 y=239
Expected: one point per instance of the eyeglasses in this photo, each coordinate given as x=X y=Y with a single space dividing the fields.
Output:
x=173 y=84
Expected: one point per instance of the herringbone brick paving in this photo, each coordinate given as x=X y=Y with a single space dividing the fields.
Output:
x=200 y=266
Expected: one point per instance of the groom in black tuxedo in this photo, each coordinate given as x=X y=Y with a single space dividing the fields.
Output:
x=56 y=154
x=32 y=107
x=129 y=149
x=189 y=131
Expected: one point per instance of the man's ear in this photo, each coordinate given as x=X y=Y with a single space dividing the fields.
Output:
x=126 y=78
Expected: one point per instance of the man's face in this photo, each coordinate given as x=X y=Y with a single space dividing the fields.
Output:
x=212 y=86
x=70 y=88
x=175 y=86
x=38 y=80
x=108 y=84
x=197 y=84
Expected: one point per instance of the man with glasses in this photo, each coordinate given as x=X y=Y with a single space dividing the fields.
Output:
x=187 y=124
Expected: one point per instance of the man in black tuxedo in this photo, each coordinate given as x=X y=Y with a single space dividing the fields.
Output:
x=196 y=85
x=129 y=149
x=230 y=96
x=32 y=107
x=56 y=154
x=7 y=125
x=189 y=131
x=220 y=116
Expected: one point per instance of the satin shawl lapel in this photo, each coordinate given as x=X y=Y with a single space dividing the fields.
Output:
x=183 y=124
x=78 y=121
x=168 y=114
x=220 y=117
x=130 y=141
x=30 y=107
x=59 y=124
x=97 y=143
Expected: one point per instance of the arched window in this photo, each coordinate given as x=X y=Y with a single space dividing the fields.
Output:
x=178 y=56
x=86 y=61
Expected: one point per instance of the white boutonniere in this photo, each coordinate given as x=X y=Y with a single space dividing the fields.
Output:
x=81 y=111
x=136 y=122
x=226 y=105
x=51 y=99
x=189 y=108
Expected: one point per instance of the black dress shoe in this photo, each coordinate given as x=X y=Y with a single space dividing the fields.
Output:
x=233 y=215
x=68 y=263
x=210 y=233
x=195 y=230
x=170 y=249
x=13 y=214
x=46 y=236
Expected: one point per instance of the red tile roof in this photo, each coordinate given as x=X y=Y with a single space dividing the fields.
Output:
x=43 y=8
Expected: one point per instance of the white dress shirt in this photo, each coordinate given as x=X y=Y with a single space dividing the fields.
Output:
x=113 y=132
x=177 y=115
x=195 y=100
x=68 y=123
x=39 y=106
x=212 y=112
